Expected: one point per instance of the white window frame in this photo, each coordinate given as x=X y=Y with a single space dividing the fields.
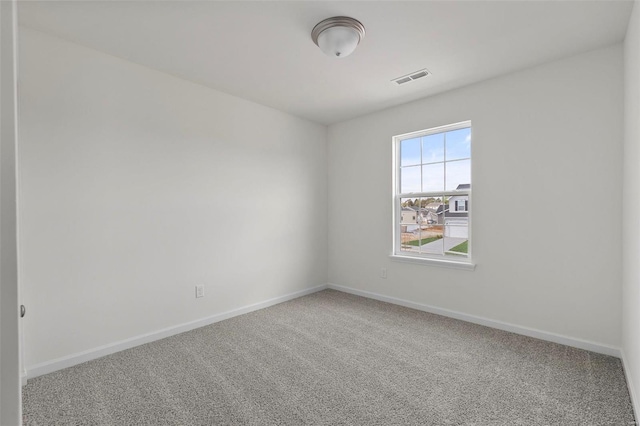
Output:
x=425 y=258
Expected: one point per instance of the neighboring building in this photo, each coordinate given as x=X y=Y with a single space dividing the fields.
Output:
x=456 y=217
x=409 y=215
x=427 y=216
x=413 y=218
x=456 y=227
x=435 y=207
x=408 y=219
x=437 y=210
x=459 y=204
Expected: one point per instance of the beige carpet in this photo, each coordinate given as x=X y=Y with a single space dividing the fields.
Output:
x=336 y=359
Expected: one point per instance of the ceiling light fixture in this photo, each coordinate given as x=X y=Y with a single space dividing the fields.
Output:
x=338 y=36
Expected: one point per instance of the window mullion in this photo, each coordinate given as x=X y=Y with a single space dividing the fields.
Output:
x=433 y=194
x=444 y=168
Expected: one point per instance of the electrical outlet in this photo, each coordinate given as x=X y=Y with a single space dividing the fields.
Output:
x=383 y=273
x=199 y=291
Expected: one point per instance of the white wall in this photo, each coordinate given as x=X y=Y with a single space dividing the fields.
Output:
x=135 y=186
x=540 y=136
x=631 y=207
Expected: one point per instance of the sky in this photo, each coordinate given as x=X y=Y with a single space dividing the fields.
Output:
x=438 y=152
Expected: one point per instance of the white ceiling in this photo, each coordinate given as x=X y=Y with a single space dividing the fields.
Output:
x=262 y=51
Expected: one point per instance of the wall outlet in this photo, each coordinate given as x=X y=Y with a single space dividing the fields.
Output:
x=383 y=273
x=199 y=291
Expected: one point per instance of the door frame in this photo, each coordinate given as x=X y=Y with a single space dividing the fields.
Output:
x=10 y=371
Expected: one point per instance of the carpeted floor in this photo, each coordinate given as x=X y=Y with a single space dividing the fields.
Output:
x=336 y=359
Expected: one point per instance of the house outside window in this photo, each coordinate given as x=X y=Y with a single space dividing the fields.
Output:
x=432 y=178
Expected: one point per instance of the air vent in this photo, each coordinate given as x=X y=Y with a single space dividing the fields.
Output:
x=411 y=77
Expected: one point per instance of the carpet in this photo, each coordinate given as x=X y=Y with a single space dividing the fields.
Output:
x=332 y=358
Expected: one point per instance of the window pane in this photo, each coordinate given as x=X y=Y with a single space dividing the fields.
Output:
x=409 y=212
x=434 y=210
x=457 y=207
x=433 y=148
x=410 y=179
x=456 y=228
x=458 y=144
x=410 y=152
x=409 y=227
x=458 y=173
x=433 y=177
x=431 y=231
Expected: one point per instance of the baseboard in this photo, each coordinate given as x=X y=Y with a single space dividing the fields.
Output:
x=635 y=403
x=526 y=331
x=88 y=355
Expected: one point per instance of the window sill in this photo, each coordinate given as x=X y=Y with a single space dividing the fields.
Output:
x=445 y=263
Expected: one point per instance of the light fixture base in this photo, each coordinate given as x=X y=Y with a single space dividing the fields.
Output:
x=338 y=26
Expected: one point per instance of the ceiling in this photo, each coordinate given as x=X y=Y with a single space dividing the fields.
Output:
x=262 y=51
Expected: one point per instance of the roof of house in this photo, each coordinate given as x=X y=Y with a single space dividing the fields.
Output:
x=464 y=186
x=426 y=210
x=437 y=207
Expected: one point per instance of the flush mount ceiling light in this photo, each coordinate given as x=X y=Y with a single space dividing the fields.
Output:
x=338 y=36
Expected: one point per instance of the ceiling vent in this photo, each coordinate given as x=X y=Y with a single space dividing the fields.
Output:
x=411 y=77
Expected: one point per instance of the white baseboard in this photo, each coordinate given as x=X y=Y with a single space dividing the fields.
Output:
x=88 y=355
x=635 y=403
x=526 y=331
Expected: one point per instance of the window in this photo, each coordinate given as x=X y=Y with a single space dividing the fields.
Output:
x=433 y=179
